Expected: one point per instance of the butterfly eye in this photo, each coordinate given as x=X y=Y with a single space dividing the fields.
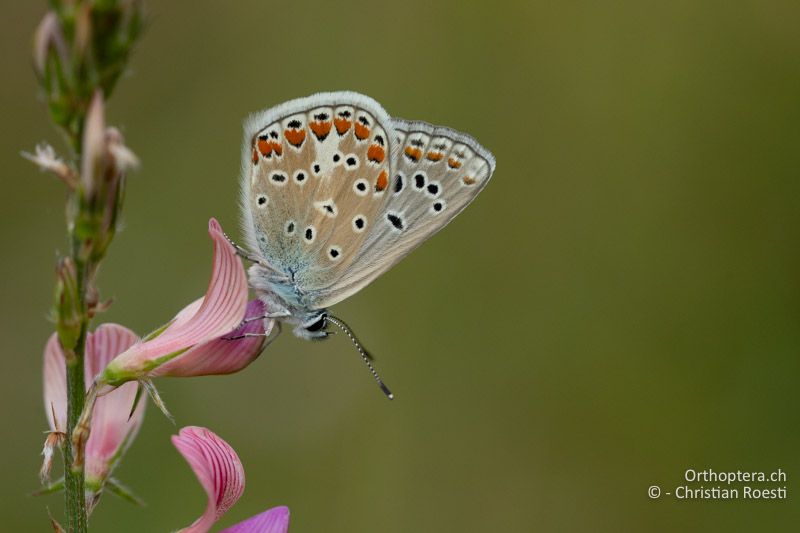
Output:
x=318 y=325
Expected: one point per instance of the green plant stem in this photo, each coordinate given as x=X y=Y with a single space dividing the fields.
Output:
x=74 y=491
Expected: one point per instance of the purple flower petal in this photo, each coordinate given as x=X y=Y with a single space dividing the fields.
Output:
x=218 y=469
x=221 y=355
x=275 y=520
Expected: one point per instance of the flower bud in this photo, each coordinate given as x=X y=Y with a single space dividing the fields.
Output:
x=83 y=31
x=104 y=162
x=48 y=43
x=93 y=160
x=67 y=305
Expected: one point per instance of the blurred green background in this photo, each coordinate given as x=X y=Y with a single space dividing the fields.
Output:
x=621 y=303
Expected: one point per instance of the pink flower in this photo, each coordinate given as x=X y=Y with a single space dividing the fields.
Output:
x=195 y=342
x=220 y=472
x=199 y=341
x=113 y=429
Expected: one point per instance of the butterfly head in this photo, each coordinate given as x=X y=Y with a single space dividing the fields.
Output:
x=313 y=326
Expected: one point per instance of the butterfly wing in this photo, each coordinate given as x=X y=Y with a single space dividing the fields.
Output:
x=436 y=173
x=315 y=174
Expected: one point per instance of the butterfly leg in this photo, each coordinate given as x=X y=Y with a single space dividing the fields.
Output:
x=267 y=333
x=273 y=337
x=277 y=314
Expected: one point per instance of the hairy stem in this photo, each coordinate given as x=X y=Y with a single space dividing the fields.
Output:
x=74 y=490
x=80 y=49
x=74 y=493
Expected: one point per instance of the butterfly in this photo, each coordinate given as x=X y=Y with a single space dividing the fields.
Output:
x=334 y=192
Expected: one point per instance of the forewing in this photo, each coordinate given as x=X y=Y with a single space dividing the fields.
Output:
x=315 y=176
x=436 y=172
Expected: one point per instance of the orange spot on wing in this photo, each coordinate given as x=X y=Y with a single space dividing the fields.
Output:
x=362 y=132
x=267 y=146
x=295 y=137
x=469 y=180
x=453 y=163
x=320 y=129
x=413 y=153
x=255 y=156
x=382 y=182
x=376 y=153
x=342 y=125
x=434 y=156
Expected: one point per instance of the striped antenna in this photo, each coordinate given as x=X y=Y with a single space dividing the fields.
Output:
x=364 y=355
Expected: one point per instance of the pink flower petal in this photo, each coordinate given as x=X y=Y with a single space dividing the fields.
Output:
x=94 y=146
x=221 y=310
x=112 y=431
x=221 y=356
x=275 y=520
x=218 y=469
x=185 y=314
x=55 y=384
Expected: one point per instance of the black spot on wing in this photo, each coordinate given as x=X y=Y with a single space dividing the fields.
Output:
x=395 y=221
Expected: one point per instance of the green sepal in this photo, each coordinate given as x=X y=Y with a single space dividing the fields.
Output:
x=115 y=487
x=68 y=310
x=55 y=486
